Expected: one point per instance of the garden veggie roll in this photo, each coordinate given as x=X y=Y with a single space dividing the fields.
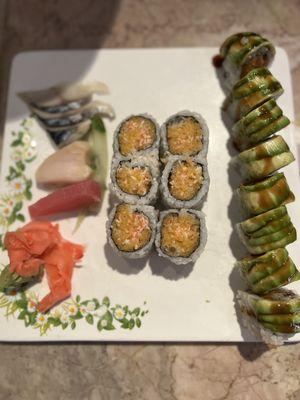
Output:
x=131 y=229
x=273 y=316
x=258 y=86
x=265 y=195
x=267 y=157
x=243 y=52
x=269 y=271
x=134 y=181
x=138 y=136
x=184 y=182
x=268 y=231
x=184 y=134
x=181 y=235
x=258 y=125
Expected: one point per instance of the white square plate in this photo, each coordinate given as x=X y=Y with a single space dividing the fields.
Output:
x=183 y=303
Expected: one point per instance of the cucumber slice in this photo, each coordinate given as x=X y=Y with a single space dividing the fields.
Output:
x=281 y=328
x=280 y=301
x=258 y=86
x=263 y=159
x=255 y=223
x=280 y=319
x=265 y=195
x=98 y=142
x=257 y=268
x=271 y=242
x=282 y=276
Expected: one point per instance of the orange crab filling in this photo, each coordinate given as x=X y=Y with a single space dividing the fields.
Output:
x=137 y=133
x=180 y=234
x=185 y=180
x=184 y=136
x=134 y=180
x=130 y=229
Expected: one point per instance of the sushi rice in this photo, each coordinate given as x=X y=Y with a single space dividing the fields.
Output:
x=202 y=236
x=168 y=199
x=151 y=215
x=150 y=196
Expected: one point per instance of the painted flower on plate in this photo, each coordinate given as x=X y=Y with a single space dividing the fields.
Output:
x=17 y=186
x=103 y=323
x=91 y=306
x=83 y=310
x=6 y=207
x=64 y=318
x=31 y=306
x=72 y=309
x=119 y=313
x=17 y=155
x=101 y=311
x=41 y=319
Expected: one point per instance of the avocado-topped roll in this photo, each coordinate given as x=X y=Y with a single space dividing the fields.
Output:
x=184 y=182
x=268 y=231
x=184 y=134
x=181 y=235
x=134 y=181
x=131 y=229
x=257 y=87
x=265 y=195
x=137 y=135
x=265 y=158
x=274 y=317
x=258 y=125
x=243 y=52
x=269 y=271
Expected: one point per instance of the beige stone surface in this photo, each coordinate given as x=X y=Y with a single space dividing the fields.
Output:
x=160 y=371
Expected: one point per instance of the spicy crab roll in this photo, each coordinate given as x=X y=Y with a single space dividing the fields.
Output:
x=257 y=87
x=268 y=271
x=184 y=134
x=131 y=229
x=137 y=136
x=184 y=182
x=274 y=316
x=181 y=235
x=258 y=125
x=262 y=160
x=243 y=52
x=265 y=195
x=134 y=181
x=268 y=231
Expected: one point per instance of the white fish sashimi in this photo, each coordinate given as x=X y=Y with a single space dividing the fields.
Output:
x=64 y=93
x=66 y=166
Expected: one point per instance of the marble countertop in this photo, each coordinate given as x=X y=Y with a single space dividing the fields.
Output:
x=146 y=371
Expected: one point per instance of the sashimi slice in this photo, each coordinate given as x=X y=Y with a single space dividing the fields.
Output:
x=59 y=264
x=66 y=166
x=70 y=198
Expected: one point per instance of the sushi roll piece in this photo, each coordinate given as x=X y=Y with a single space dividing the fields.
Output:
x=131 y=229
x=265 y=195
x=268 y=231
x=258 y=125
x=268 y=271
x=134 y=181
x=137 y=136
x=274 y=317
x=243 y=52
x=184 y=134
x=264 y=159
x=257 y=87
x=181 y=235
x=184 y=182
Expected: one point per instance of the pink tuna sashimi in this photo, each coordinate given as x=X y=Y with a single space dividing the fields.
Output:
x=69 y=198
